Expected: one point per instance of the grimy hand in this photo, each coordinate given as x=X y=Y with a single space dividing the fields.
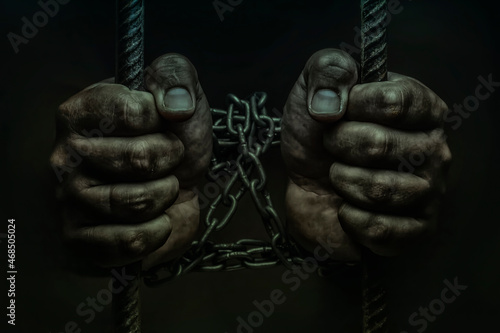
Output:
x=343 y=144
x=132 y=197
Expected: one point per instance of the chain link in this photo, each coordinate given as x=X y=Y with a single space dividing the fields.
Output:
x=241 y=135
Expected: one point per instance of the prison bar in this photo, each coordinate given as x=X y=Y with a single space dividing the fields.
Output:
x=373 y=69
x=129 y=72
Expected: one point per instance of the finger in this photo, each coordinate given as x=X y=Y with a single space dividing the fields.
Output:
x=385 y=235
x=312 y=219
x=173 y=81
x=379 y=190
x=400 y=102
x=125 y=203
x=115 y=245
x=331 y=73
x=144 y=157
x=371 y=145
x=186 y=214
x=110 y=110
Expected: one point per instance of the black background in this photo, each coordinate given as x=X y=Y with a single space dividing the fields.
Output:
x=260 y=46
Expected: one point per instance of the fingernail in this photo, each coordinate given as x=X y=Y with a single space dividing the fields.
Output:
x=325 y=102
x=177 y=99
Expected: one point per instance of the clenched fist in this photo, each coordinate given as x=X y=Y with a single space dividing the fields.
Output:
x=132 y=197
x=343 y=142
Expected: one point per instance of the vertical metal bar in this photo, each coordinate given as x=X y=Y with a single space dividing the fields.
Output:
x=373 y=40
x=130 y=43
x=129 y=72
x=373 y=69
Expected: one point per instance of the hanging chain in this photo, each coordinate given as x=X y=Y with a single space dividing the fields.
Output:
x=242 y=134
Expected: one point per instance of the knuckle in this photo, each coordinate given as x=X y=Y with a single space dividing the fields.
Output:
x=84 y=99
x=178 y=150
x=392 y=100
x=391 y=95
x=379 y=143
x=179 y=60
x=174 y=149
x=135 y=243
x=65 y=116
x=57 y=157
x=441 y=108
x=378 y=232
x=174 y=185
x=79 y=188
x=129 y=110
x=381 y=188
x=140 y=203
x=446 y=155
x=423 y=188
x=80 y=145
x=439 y=148
x=140 y=157
x=173 y=69
x=322 y=60
x=329 y=58
x=64 y=109
x=136 y=202
x=73 y=106
x=333 y=173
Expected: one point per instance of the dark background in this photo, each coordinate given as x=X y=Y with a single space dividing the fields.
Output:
x=260 y=46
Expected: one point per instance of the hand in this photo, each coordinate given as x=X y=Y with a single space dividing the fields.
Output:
x=343 y=144
x=131 y=196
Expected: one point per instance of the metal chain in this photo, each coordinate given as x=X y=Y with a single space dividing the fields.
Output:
x=242 y=134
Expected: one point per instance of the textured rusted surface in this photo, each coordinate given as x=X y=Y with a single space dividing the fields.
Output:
x=126 y=303
x=129 y=72
x=130 y=43
x=374 y=301
x=373 y=69
x=373 y=40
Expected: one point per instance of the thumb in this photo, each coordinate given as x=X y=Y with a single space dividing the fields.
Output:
x=318 y=98
x=173 y=81
x=179 y=98
x=329 y=76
